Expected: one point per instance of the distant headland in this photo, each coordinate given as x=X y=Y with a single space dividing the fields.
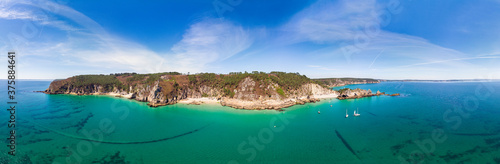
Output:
x=242 y=90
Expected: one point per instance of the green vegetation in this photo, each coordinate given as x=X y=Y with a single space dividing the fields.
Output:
x=228 y=92
x=108 y=82
x=136 y=77
x=231 y=95
x=280 y=91
x=209 y=79
x=289 y=80
x=192 y=79
x=341 y=91
x=153 y=78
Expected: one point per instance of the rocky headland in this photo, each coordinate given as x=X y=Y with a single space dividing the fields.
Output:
x=348 y=93
x=256 y=90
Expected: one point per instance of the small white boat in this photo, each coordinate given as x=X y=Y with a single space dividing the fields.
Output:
x=356 y=114
x=319 y=112
x=346 y=115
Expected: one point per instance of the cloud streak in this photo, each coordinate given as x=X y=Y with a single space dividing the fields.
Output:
x=450 y=60
x=327 y=21
x=209 y=41
x=348 y=25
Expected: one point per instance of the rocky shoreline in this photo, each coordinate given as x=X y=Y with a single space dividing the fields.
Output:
x=224 y=101
x=255 y=104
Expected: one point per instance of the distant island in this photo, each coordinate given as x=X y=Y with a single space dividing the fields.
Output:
x=241 y=90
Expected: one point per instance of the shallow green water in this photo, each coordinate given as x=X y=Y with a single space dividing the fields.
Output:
x=52 y=128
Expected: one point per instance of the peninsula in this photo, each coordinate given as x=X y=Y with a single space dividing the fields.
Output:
x=256 y=90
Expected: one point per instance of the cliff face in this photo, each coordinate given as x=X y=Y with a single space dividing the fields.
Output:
x=239 y=91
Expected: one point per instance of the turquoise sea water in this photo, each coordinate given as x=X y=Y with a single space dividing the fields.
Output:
x=429 y=123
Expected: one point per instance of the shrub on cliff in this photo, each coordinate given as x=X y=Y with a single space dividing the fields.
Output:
x=280 y=91
x=108 y=82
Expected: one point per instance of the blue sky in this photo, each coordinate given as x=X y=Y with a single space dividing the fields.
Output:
x=387 y=39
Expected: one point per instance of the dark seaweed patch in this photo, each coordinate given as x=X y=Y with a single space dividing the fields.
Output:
x=465 y=161
x=36 y=141
x=25 y=159
x=397 y=148
x=497 y=160
x=450 y=156
x=474 y=134
x=45 y=158
x=490 y=141
x=41 y=131
x=60 y=109
x=81 y=123
x=60 y=116
x=112 y=159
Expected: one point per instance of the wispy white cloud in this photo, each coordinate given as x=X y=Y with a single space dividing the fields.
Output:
x=348 y=25
x=14 y=14
x=210 y=41
x=450 y=60
x=39 y=12
x=327 y=21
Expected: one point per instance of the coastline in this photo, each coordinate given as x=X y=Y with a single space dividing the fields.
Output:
x=255 y=91
x=258 y=104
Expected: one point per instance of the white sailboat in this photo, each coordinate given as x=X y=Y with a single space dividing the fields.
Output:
x=346 y=115
x=356 y=114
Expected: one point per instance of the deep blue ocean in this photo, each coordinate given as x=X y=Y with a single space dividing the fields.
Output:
x=456 y=122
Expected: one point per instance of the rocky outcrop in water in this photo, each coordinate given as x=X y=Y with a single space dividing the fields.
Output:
x=347 y=93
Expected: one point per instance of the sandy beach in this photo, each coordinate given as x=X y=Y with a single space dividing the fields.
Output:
x=203 y=100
